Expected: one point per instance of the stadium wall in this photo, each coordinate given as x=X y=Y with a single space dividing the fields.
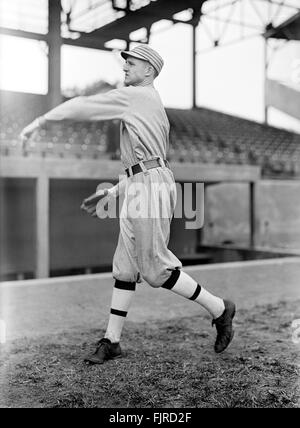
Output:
x=277 y=214
x=79 y=242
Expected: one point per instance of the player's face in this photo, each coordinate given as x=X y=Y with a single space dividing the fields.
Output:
x=135 y=71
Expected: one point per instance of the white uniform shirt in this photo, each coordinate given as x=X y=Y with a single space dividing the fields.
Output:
x=144 y=123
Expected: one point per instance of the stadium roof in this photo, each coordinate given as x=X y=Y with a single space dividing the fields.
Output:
x=144 y=17
x=288 y=30
x=96 y=23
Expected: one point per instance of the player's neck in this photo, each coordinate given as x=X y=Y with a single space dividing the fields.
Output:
x=148 y=81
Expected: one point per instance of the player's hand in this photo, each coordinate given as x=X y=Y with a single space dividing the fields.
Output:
x=89 y=204
x=29 y=130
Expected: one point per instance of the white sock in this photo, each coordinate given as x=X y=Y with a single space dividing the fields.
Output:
x=121 y=300
x=187 y=287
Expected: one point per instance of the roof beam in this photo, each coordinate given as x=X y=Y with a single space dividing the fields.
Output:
x=144 y=17
x=288 y=30
x=25 y=34
x=133 y=20
x=83 y=41
x=87 y=42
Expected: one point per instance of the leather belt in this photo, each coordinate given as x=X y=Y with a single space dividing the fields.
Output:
x=149 y=164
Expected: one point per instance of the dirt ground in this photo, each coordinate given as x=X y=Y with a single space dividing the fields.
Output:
x=167 y=363
x=35 y=308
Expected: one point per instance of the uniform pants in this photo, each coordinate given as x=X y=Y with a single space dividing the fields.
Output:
x=147 y=210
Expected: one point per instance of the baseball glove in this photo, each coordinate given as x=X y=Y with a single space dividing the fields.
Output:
x=90 y=204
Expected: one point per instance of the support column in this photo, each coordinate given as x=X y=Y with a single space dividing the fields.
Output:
x=266 y=108
x=54 y=53
x=42 y=227
x=252 y=213
x=197 y=13
x=194 y=69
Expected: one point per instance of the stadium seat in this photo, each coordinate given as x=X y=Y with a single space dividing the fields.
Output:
x=198 y=135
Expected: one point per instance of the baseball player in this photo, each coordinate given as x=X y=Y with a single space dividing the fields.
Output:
x=142 y=251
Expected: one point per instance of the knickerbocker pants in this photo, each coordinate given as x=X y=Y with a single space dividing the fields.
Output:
x=148 y=207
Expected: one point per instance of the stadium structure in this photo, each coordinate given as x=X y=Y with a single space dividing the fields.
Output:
x=43 y=232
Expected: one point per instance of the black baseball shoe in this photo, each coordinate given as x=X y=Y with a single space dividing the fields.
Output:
x=224 y=328
x=105 y=350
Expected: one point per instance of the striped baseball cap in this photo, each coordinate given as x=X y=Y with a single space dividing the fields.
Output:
x=146 y=53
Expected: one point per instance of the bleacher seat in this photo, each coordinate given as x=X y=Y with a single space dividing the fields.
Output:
x=199 y=135
x=232 y=140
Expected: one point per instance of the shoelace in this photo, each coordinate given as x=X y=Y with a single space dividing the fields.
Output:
x=102 y=343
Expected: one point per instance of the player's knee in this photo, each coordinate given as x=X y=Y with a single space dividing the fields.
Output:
x=126 y=277
x=153 y=279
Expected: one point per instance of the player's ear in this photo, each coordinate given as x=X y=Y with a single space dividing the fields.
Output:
x=150 y=70
x=154 y=72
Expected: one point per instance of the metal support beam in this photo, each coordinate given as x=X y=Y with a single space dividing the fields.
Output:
x=197 y=13
x=252 y=213
x=84 y=41
x=42 y=227
x=194 y=69
x=54 y=55
x=24 y=34
x=266 y=63
x=148 y=34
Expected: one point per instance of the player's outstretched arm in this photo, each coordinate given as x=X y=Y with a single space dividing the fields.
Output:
x=109 y=106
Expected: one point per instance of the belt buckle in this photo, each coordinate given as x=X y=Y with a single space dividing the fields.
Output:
x=143 y=167
x=130 y=172
x=161 y=162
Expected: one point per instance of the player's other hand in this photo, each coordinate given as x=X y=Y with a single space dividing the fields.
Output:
x=89 y=204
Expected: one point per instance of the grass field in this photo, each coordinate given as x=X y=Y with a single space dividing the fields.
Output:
x=166 y=364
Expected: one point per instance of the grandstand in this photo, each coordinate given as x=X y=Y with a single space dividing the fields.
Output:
x=199 y=135
x=203 y=135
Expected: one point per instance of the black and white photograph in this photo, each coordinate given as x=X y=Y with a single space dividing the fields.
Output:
x=149 y=206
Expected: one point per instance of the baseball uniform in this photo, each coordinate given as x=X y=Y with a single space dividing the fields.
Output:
x=149 y=203
x=142 y=249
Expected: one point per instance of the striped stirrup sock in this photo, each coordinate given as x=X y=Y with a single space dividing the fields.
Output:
x=121 y=300
x=184 y=285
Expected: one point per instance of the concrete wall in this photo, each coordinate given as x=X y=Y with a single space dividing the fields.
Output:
x=277 y=214
x=17 y=226
x=78 y=241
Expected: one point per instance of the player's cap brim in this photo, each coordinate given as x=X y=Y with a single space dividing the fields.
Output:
x=126 y=54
